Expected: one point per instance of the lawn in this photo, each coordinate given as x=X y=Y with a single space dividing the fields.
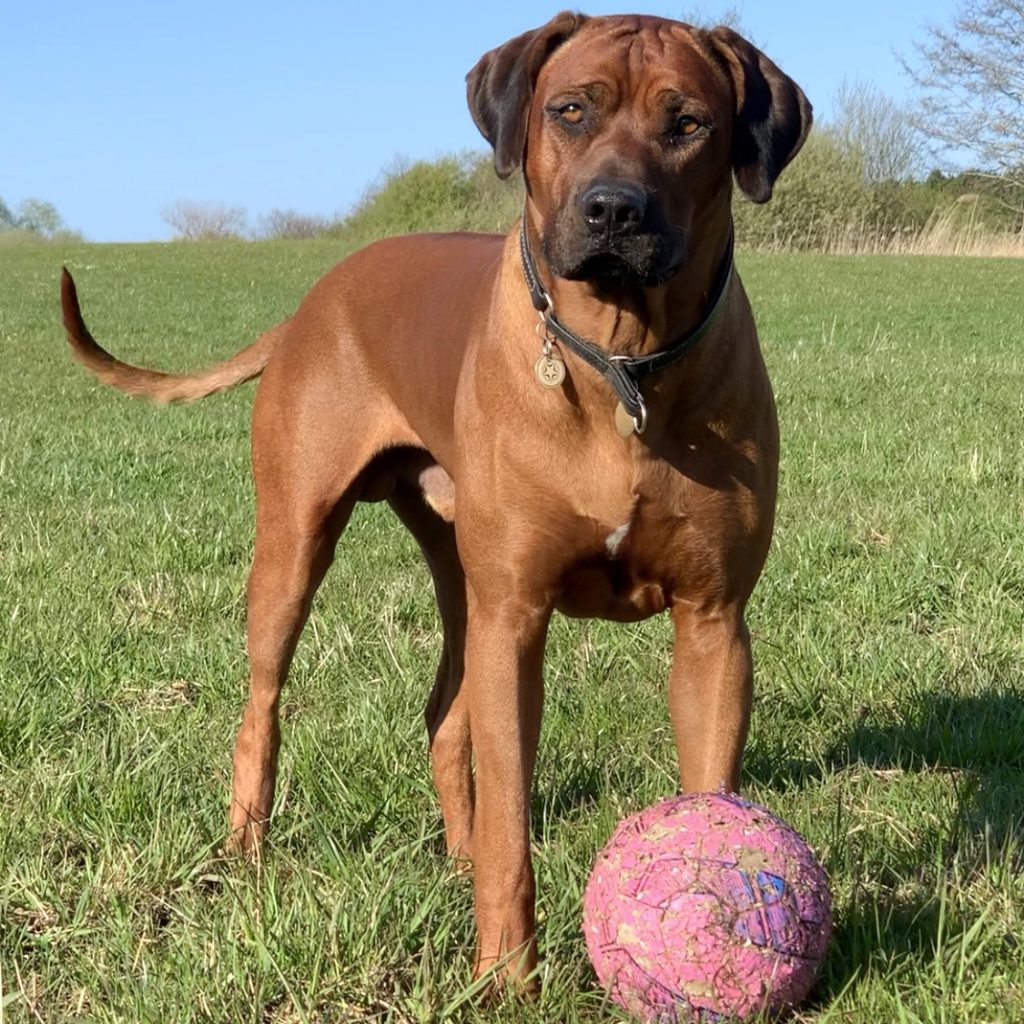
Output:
x=888 y=635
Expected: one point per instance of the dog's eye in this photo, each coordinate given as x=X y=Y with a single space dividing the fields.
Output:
x=571 y=113
x=685 y=126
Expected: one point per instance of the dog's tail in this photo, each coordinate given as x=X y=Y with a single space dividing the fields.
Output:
x=152 y=384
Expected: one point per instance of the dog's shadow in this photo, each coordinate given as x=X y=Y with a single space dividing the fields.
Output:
x=977 y=740
x=898 y=903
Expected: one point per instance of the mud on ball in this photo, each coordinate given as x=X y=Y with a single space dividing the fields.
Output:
x=706 y=905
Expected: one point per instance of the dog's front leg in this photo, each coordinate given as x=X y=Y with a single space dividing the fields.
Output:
x=710 y=695
x=504 y=661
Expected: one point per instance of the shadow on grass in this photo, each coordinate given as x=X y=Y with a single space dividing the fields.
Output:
x=580 y=787
x=895 y=911
x=980 y=739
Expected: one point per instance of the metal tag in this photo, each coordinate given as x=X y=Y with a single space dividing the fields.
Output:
x=624 y=423
x=549 y=370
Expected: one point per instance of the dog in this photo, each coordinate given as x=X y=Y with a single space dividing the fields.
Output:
x=575 y=416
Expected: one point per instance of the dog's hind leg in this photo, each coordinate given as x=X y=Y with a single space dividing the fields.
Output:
x=309 y=473
x=422 y=499
x=293 y=553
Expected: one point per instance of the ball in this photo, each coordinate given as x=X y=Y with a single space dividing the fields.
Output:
x=704 y=906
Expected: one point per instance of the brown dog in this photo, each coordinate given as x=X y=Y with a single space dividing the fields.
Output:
x=434 y=372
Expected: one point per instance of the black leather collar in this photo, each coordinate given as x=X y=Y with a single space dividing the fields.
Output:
x=624 y=373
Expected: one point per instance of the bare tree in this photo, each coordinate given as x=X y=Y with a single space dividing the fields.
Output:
x=291 y=224
x=203 y=222
x=880 y=131
x=729 y=16
x=971 y=83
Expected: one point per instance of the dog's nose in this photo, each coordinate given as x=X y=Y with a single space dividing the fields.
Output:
x=613 y=208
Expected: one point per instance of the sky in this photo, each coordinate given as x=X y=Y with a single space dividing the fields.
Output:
x=113 y=110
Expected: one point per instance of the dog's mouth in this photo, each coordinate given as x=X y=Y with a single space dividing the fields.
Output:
x=644 y=259
x=611 y=268
x=607 y=266
x=603 y=266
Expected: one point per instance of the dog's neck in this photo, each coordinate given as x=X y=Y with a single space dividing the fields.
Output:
x=629 y=319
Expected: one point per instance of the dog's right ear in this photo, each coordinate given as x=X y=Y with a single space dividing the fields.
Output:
x=500 y=87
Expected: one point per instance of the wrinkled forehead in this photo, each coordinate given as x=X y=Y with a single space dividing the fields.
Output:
x=635 y=57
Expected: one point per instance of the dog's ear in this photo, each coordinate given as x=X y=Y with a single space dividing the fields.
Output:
x=773 y=116
x=500 y=87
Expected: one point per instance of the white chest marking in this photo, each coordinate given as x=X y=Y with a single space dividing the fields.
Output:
x=614 y=540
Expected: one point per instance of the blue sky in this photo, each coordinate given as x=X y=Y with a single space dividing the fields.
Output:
x=111 y=110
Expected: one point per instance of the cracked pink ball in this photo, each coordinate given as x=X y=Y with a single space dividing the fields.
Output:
x=704 y=906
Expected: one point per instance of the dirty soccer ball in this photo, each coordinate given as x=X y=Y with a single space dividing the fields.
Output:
x=706 y=905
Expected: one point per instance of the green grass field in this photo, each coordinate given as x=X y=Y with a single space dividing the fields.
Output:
x=889 y=643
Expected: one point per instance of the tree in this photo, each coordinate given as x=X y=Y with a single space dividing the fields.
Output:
x=728 y=16
x=32 y=216
x=204 y=222
x=971 y=84
x=38 y=216
x=291 y=224
x=880 y=131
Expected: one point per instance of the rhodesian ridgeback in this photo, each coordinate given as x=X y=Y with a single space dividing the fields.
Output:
x=574 y=417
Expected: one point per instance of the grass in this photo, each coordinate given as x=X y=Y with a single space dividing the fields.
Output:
x=889 y=638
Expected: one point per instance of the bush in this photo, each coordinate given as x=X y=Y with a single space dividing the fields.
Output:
x=825 y=198
x=453 y=193
x=204 y=222
x=33 y=220
x=291 y=224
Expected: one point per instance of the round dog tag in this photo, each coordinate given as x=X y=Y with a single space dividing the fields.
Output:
x=624 y=423
x=549 y=370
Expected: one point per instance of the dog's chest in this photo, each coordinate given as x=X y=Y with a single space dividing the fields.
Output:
x=633 y=545
x=616 y=529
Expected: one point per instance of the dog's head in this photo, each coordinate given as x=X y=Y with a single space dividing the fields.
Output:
x=629 y=130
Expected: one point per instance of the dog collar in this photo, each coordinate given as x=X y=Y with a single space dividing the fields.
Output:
x=623 y=373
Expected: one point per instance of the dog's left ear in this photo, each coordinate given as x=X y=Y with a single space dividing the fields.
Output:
x=500 y=87
x=773 y=116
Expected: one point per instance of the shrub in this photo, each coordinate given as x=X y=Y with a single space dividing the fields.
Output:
x=825 y=196
x=291 y=224
x=204 y=222
x=453 y=193
x=33 y=220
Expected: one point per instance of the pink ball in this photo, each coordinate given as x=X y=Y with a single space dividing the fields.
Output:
x=705 y=905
